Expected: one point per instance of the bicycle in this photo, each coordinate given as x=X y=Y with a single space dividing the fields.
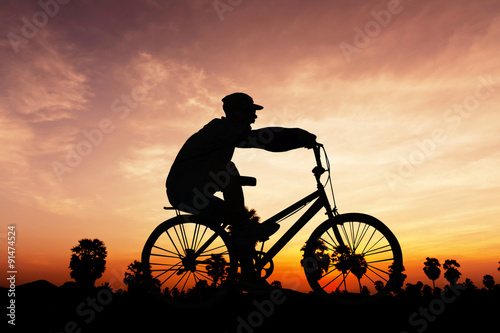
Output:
x=350 y=258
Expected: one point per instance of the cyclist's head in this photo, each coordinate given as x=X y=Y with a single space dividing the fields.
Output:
x=240 y=107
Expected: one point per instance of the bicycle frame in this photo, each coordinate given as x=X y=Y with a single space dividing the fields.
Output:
x=321 y=201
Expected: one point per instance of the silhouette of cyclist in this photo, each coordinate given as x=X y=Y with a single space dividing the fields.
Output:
x=203 y=167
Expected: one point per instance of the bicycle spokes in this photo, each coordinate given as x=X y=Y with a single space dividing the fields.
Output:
x=363 y=261
x=188 y=257
x=359 y=264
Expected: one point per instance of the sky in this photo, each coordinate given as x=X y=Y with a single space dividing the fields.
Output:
x=97 y=97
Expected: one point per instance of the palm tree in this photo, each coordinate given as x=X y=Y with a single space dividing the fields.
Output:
x=432 y=270
x=488 y=281
x=347 y=262
x=321 y=260
x=88 y=262
x=216 y=268
x=452 y=274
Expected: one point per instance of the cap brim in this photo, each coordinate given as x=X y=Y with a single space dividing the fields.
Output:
x=250 y=107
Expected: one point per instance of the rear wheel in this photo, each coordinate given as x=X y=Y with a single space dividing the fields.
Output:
x=188 y=262
x=362 y=266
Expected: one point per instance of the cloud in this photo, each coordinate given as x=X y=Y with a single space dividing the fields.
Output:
x=45 y=92
x=46 y=86
x=15 y=139
x=141 y=164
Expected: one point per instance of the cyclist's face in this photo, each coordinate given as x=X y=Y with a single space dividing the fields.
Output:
x=250 y=116
x=245 y=116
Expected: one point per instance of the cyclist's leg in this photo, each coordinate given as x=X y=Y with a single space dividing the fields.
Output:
x=237 y=213
x=233 y=196
x=237 y=216
x=216 y=210
x=245 y=231
x=198 y=199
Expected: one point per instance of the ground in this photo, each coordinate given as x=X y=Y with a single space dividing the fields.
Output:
x=43 y=307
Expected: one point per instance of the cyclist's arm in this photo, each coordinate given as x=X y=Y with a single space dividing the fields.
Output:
x=278 y=139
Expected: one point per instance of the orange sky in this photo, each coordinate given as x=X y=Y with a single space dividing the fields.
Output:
x=97 y=99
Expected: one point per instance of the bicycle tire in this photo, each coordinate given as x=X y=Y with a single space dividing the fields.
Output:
x=330 y=267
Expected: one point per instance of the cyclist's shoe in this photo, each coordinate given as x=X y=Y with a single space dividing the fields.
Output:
x=247 y=233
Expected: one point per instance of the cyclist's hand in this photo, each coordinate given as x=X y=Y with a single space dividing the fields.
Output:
x=307 y=140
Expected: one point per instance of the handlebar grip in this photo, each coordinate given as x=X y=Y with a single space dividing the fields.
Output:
x=317 y=154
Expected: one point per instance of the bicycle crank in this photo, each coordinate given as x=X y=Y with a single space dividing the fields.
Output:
x=267 y=269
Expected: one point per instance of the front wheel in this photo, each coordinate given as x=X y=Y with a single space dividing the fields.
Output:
x=363 y=265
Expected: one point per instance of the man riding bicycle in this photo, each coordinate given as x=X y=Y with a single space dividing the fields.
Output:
x=203 y=167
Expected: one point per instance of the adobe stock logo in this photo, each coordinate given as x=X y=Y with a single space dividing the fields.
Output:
x=263 y=310
x=30 y=28
x=452 y=119
x=221 y=7
x=421 y=319
x=95 y=136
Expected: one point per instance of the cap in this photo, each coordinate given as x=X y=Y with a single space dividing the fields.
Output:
x=240 y=100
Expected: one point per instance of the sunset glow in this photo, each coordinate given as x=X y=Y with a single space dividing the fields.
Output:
x=97 y=99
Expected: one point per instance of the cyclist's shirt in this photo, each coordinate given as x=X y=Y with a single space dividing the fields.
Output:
x=210 y=150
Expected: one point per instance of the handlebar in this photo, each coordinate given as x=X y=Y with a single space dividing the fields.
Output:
x=317 y=155
x=318 y=169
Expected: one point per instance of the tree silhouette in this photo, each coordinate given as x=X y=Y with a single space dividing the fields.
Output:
x=216 y=268
x=400 y=278
x=427 y=292
x=321 y=260
x=88 y=262
x=499 y=267
x=432 y=270
x=488 y=282
x=452 y=274
x=277 y=284
x=414 y=290
x=344 y=260
x=135 y=278
x=469 y=284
